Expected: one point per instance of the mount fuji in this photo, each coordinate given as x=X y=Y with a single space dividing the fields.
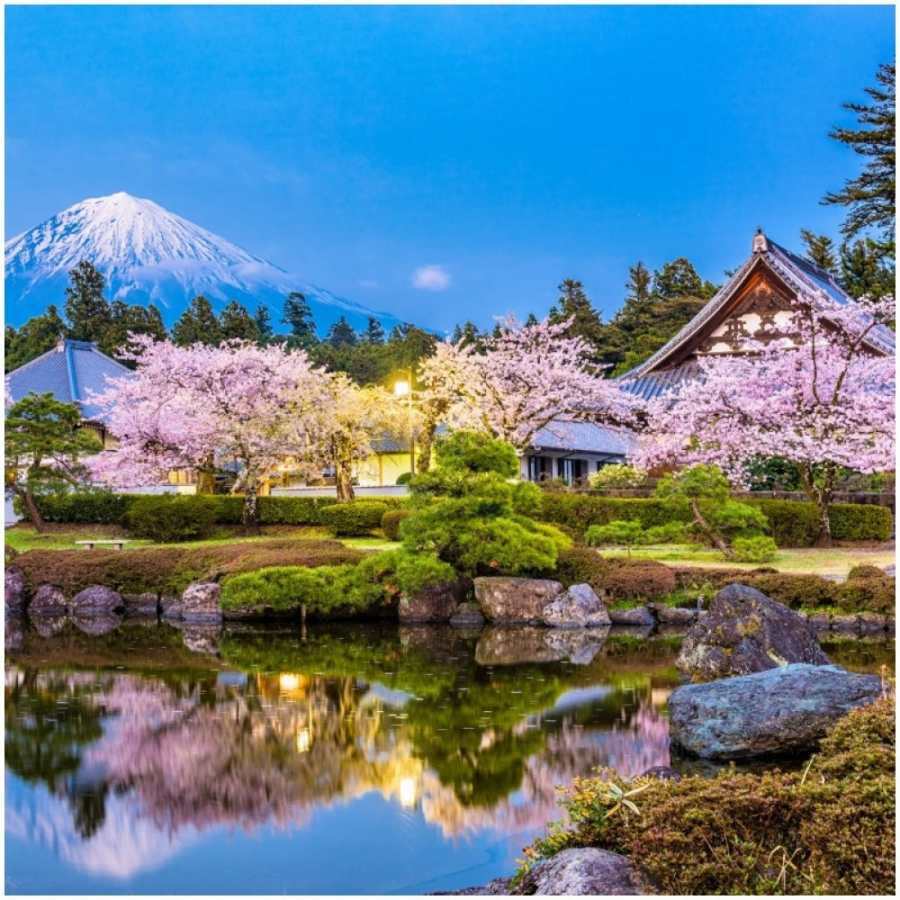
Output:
x=149 y=255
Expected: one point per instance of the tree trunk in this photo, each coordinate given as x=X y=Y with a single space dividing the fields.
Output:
x=32 y=511
x=710 y=532
x=821 y=496
x=343 y=473
x=206 y=476
x=250 y=520
x=823 y=538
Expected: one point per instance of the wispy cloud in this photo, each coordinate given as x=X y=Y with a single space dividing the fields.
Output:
x=431 y=278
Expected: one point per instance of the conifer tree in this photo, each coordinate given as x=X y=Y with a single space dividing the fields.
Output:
x=870 y=198
x=864 y=269
x=129 y=319
x=237 y=323
x=639 y=284
x=299 y=318
x=574 y=304
x=263 y=322
x=86 y=309
x=38 y=335
x=819 y=250
x=341 y=333
x=197 y=325
x=374 y=333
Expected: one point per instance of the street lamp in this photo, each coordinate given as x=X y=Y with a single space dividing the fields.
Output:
x=404 y=389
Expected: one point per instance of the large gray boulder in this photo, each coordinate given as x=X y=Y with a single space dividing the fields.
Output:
x=511 y=600
x=782 y=710
x=745 y=632
x=96 y=600
x=640 y=615
x=48 y=600
x=577 y=607
x=433 y=604
x=200 y=602
x=15 y=589
x=585 y=871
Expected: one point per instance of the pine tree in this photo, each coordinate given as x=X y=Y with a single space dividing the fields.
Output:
x=638 y=284
x=298 y=316
x=574 y=304
x=870 y=197
x=864 y=270
x=820 y=250
x=263 y=322
x=237 y=324
x=341 y=333
x=197 y=325
x=130 y=319
x=38 y=335
x=374 y=333
x=86 y=309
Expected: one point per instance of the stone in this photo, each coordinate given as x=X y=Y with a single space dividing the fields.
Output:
x=47 y=626
x=675 y=615
x=169 y=606
x=640 y=615
x=579 y=647
x=871 y=621
x=780 y=711
x=577 y=607
x=15 y=589
x=819 y=621
x=202 y=638
x=844 y=623
x=96 y=624
x=13 y=633
x=433 y=604
x=663 y=773
x=746 y=632
x=200 y=602
x=467 y=615
x=48 y=600
x=96 y=600
x=141 y=604
x=515 y=599
x=585 y=871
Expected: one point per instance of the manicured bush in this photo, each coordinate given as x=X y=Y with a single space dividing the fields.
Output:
x=637 y=579
x=860 y=522
x=579 y=566
x=170 y=519
x=829 y=829
x=353 y=519
x=288 y=589
x=95 y=508
x=292 y=510
x=617 y=475
x=754 y=549
x=390 y=523
x=791 y=523
x=404 y=478
x=169 y=570
x=864 y=571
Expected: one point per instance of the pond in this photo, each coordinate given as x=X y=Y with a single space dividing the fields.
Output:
x=341 y=759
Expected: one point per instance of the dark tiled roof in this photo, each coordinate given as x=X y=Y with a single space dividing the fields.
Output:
x=70 y=371
x=584 y=437
x=654 y=384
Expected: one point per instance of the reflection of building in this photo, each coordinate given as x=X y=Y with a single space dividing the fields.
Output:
x=70 y=371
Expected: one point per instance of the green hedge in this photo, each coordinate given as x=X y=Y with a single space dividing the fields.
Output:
x=170 y=518
x=791 y=523
x=360 y=517
x=112 y=509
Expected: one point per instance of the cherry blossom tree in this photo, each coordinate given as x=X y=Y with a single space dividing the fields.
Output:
x=528 y=378
x=820 y=399
x=199 y=407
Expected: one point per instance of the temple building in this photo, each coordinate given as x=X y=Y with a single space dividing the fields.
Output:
x=758 y=302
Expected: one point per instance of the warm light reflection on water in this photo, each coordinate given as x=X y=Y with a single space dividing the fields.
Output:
x=131 y=750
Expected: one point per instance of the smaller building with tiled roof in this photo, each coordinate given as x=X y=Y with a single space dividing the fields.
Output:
x=70 y=371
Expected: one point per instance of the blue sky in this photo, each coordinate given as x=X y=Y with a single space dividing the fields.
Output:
x=447 y=162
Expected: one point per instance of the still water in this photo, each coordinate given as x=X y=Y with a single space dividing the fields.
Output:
x=356 y=759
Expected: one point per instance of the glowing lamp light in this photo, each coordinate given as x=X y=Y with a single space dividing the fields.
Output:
x=288 y=682
x=408 y=792
x=304 y=740
x=401 y=389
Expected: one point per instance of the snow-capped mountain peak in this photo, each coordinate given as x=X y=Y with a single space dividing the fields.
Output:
x=148 y=254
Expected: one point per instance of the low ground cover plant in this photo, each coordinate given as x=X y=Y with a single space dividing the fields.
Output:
x=829 y=829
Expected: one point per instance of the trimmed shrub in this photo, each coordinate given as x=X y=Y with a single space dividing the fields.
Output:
x=579 y=566
x=94 y=508
x=617 y=475
x=860 y=522
x=791 y=524
x=292 y=510
x=754 y=549
x=390 y=523
x=864 y=571
x=637 y=579
x=170 y=519
x=169 y=570
x=359 y=517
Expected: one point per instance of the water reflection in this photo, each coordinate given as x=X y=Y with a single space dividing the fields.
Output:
x=117 y=769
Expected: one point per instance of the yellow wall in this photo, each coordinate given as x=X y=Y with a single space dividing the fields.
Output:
x=382 y=469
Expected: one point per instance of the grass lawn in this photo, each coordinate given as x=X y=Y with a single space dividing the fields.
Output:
x=832 y=561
